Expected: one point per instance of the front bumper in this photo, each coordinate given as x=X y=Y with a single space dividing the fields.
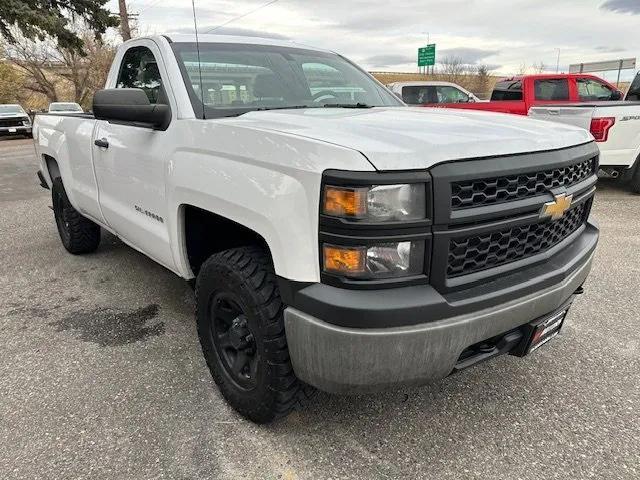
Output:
x=346 y=359
x=17 y=130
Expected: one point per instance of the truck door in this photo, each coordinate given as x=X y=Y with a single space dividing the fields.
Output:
x=130 y=161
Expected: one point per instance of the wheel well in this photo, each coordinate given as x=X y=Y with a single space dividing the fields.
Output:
x=52 y=166
x=206 y=233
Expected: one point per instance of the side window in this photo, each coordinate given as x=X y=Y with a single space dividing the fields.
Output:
x=507 y=90
x=551 y=89
x=419 y=95
x=447 y=94
x=591 y=90
x=139 y=69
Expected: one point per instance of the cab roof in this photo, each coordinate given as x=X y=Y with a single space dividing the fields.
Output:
x=215 y=38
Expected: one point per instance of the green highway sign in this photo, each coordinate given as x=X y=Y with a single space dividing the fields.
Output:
x=427 y=55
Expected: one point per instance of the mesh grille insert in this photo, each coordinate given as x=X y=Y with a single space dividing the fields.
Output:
x=11 y=122
x=480 y=252
x=476 y=193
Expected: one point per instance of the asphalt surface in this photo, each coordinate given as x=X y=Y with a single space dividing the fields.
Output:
x=101 y=377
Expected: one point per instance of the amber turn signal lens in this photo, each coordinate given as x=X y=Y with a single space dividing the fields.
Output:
x=344 y=260
x=345 y=202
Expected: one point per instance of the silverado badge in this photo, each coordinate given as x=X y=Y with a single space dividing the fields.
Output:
x=557 y=208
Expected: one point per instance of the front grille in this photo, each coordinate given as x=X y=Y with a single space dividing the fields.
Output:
x=479 y=252
x=11 y=122
x=477 y=193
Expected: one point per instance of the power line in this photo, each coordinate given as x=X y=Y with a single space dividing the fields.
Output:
x=242 y=16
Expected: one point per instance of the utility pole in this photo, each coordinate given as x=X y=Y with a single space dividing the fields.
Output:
x=558 y=61
x=125 y=29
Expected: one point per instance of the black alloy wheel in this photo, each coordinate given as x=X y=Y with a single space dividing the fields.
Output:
x=234 y=341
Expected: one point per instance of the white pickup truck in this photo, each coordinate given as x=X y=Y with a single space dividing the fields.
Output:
x=338 y=239
x=614 y=125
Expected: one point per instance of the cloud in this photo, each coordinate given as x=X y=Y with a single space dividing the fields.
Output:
x=466 y=54
x=242 y=32
x=606 y=49
x=389 y=60
x=622 y=6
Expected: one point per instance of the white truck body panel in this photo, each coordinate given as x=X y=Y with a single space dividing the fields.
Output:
x=262 y=169
x=622 y=148
x=421 y=137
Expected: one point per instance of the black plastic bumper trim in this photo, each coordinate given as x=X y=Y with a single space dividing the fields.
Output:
x=412 y=305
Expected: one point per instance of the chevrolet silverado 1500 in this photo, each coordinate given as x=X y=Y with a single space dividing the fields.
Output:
x=338 y=239
x=14 y=121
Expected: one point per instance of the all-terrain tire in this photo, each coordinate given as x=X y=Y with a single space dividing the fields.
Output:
x=77 y=233
x=242 y=281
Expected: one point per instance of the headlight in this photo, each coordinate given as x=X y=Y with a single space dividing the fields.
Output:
x=377 y=261
x=376 y=203
x=26 y=122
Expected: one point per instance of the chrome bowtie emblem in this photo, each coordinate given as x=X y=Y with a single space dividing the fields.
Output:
x=557 y=208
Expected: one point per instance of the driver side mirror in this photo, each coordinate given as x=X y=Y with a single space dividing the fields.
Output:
x=130 y=106
x=616 y=95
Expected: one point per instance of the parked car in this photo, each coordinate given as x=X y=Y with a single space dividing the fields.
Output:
x=338 y=239
x=633 y=94
x=614 y=125
x=65 y=107
x=518 y=94
x=431 y=93
x=14 y=121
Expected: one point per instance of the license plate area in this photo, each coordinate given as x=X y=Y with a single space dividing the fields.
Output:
x=540 y=331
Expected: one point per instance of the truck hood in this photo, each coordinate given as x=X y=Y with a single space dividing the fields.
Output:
x=13 y=115
x=403 y=138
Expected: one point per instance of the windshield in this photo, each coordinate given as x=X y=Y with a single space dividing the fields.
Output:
x=11 y=109
x=239 y=78
x=64 y=107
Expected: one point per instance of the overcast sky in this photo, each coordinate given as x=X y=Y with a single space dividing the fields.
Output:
x=385 y=34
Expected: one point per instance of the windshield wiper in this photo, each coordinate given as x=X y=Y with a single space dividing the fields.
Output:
x=347 y=105
x=260 y=109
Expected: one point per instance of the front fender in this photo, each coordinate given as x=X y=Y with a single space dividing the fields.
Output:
x=269 y=183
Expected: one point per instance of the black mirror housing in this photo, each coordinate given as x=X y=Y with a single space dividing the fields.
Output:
x=130 y=106
x=617 y=95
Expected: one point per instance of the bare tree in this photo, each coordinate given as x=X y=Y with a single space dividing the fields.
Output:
x=539 y=67
x=60 y=73
x=34 y=60
x=523 y=69
x=483 y=79
x=11 y=83
x=453 y=68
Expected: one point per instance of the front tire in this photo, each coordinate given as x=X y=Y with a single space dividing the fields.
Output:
x=241 y=329
x=78 y=234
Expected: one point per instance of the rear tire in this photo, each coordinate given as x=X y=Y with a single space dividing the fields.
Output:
x=77 y=233
x=241 y=329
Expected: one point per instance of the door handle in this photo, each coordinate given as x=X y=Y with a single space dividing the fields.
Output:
x=102 y=143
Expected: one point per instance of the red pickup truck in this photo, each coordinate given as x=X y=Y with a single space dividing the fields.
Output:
x=518 y=94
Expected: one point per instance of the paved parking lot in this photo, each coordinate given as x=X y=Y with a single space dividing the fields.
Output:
x=101 y=377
